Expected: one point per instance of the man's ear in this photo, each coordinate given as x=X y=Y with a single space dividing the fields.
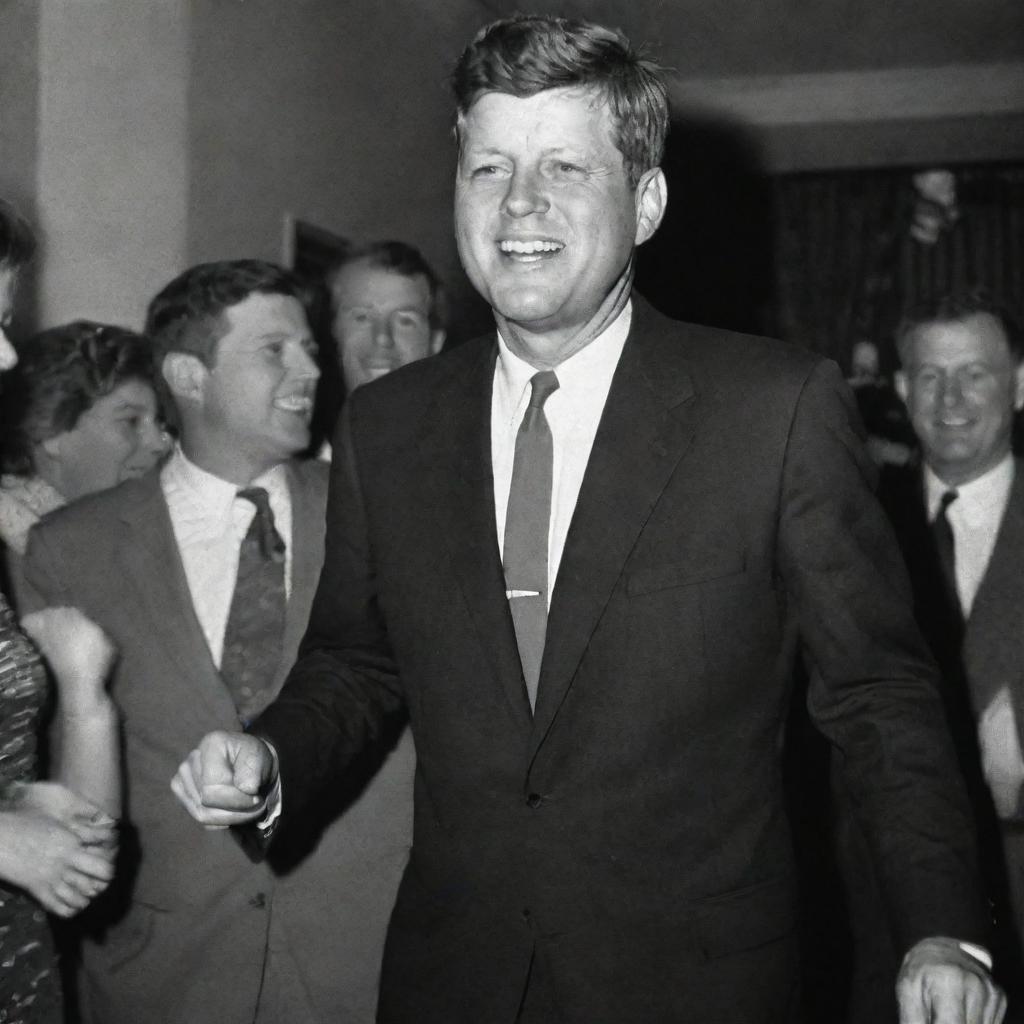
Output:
x=651 y=200
x=1018 y=398
x=51 y=446
x=186 y=376
x=899 y=381
x=437 y=340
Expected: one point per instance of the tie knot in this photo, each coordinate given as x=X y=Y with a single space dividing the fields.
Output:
x=271 y=544
x=259 y=497
x=544 y=385
x=947 y=499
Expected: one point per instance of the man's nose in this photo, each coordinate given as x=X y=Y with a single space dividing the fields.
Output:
x=951 y=392
x=303 y=364
x=383 y=333
x=525 y=195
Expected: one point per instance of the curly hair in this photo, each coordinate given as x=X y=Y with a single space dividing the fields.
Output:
x=62 y=373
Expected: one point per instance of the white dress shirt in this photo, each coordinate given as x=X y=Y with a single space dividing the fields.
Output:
x=573 y=413
x=974 y=517
x=209 y=522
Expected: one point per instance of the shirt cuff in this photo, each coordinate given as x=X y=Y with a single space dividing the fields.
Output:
x=274 y=803
x=979 y=953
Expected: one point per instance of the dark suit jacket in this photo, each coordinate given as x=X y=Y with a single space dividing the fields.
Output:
x=977 y=657
x=191 y=943
x=631 y=833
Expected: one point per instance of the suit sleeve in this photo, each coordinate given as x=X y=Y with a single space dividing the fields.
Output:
x=873 y=687
x=41 y=585
x=343 y=691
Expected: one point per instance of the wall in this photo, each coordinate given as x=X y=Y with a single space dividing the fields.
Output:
x=335 y=113
x=19 y=96
x=111 y=182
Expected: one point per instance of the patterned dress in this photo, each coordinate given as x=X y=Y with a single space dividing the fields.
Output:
x=29 y=980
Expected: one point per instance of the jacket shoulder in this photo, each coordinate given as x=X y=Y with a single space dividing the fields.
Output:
x=93 y=512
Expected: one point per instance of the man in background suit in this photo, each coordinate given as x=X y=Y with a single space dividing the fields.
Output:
x=203 y=575
x=387 y=310
x=959 y=519
x=580 y=554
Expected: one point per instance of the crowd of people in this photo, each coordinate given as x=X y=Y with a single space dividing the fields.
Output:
x=482 y=705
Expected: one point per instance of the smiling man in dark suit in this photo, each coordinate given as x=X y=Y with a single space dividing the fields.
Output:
x=959 y=518
x=581 y=554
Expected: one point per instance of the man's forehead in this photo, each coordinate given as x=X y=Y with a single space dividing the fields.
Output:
x=589 y=100
x=361 y=281
x=260 y=315
x=977 y=337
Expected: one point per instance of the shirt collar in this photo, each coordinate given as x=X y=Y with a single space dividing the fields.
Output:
x=589 y=368
x=212 y=492
x=989 y=491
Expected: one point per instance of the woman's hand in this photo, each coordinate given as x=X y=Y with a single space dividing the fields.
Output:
x=48 y=860
x=79 y=654
x=92 y=826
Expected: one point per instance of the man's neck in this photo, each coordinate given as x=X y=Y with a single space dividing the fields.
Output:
x=951 y=479
x=546 y=350
x=233 y=467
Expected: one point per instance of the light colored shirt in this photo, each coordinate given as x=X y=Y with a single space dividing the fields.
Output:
x=209 y=522
x=573 y=413
x=974 y=517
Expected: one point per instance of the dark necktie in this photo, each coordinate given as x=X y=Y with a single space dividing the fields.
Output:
x=255 y=629
x=526 y=531
x=945 y=546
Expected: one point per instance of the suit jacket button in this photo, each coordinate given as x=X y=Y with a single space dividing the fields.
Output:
x=259 y=901
x=534 y=800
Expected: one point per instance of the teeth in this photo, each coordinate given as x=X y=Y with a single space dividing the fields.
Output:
x=295 y=404
x=529 y=248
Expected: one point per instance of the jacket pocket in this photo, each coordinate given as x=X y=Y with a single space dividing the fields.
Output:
x=665 y=577
x=746 y=918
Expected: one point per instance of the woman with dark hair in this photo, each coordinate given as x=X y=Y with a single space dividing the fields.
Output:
x=82 y=415
x=57 y=844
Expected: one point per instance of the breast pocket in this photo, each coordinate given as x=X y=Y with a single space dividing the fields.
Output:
x=667 y=577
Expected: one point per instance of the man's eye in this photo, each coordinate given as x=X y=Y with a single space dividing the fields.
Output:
x=486 y=171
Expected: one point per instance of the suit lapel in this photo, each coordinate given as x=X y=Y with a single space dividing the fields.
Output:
x=152 y=567
x=307 y=559
x=456 y=449
x=647 y=425
x=994 y=641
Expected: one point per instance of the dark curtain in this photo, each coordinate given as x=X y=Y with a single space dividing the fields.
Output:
x=846 y=265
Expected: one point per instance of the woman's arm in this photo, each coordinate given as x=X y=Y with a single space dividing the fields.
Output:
x=80 y=656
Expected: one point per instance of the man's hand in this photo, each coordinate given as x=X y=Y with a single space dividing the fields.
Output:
x=224 y=781
x=939 y=983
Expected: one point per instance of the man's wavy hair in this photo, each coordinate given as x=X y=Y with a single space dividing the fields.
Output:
x=188 y=315
x=528 y=54
x=956 y=307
